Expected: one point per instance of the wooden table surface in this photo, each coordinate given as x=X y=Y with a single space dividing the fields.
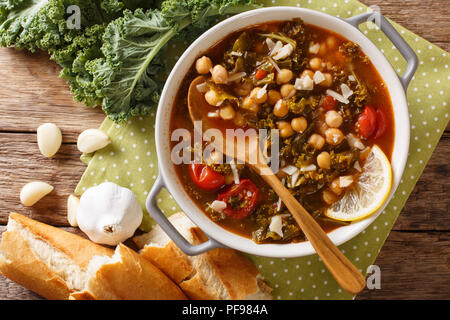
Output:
x=414 y=261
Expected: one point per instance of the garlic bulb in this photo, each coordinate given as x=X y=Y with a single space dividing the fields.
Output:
x=108 y=213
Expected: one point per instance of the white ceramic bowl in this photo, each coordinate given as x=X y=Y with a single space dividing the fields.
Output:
x=206 y=41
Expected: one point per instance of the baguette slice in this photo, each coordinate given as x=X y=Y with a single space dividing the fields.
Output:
x=60 y=265
x=220 y=274
x=127 y=276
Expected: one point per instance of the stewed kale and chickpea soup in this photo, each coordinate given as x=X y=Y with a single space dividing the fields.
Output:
x=328 y=102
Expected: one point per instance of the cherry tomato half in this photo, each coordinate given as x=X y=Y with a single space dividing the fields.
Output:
x=240 y=198
x=260 y=74
x=205 y=177
x=329 y=103
x=381 y=124
x=367 y=122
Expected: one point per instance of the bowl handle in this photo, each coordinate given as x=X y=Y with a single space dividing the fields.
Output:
x=169 y=229
x=403 y=47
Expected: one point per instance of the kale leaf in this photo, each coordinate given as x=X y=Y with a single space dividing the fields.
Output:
x=115 y=58
x=129 y=78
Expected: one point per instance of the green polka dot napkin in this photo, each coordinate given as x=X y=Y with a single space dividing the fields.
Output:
x=131 y=161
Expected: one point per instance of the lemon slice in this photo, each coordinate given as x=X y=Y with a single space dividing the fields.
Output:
x=368 y=193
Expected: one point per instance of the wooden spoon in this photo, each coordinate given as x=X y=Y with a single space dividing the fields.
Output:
x=345 y=273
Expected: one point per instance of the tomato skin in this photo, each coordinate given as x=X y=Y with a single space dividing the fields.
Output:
x=329 y=103
x=367 y=122
x=206 y=178
x=260 y=74
x=381 y=124
x=245 y=191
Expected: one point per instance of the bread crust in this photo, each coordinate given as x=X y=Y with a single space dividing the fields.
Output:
x=21 y=265
x=171 y=260
x=131 y=278
x=123 y=274
x=237 y=274
x=214 y=275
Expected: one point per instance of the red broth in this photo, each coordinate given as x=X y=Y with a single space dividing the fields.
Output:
x=331 y=52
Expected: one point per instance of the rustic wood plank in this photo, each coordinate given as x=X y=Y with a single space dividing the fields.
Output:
x=21 y=162
x=413 y=266
x=35 y=95
x=427 y=207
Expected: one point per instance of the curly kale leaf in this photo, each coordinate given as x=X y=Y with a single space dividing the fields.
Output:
x=126 y=76
x=32 y=24
x=130 y=76
x=43 y=24
x=114 y=58
x=302 y=105
x=74 y=58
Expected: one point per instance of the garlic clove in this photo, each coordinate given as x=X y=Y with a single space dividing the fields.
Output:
x=91 y=140
x=49 y=139
x=34 y=191
x=72 y=207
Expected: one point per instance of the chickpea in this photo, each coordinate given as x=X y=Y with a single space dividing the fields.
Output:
x=308 y=73
x=334 y=136
x=250 y=105
x=329 y=197
x=285 y=129
x=324 y=160
x=219 y=74
x=333 y=119
x=323 y=49
x=212 y=98
x=203 y=65
x=254 y=96
x=239 y=119
x=328 y=80
x=331 y=42
x=284 y=76
x=280 y=109
x=227 y=112
x=244 y=89
x=335 y=187
x=315 y=64
x=299 y=124
x=287 y=90
x=273 y=96
x=317 y=141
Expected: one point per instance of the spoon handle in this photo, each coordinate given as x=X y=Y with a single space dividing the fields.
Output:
x=345 y=273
